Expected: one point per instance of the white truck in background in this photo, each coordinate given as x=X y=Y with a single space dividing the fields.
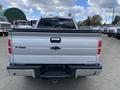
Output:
x=4 y=24
x=54 y=49
x=114 y=31
x=21 y=24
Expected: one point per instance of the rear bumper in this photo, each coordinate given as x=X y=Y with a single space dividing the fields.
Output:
x=114 y=34
x=54 y=71
x=117 y=34
x=110 y=33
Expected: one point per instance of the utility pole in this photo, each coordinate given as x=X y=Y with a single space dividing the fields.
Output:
x=0 y=6
x=1 y=10
x=113 y=14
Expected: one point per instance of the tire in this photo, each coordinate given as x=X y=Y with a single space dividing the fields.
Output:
x=28 y=77
x=83 y=77
x=118 y=37
x=109 y=35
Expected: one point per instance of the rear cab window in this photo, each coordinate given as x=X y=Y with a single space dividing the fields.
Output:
x=111 y=30
x=118 y=30
x=56 y=23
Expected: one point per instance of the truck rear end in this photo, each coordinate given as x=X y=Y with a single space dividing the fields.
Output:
x=54 y=53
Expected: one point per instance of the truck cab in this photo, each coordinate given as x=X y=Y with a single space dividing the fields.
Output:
x=56 y=22
x=54 y=49
x=114 y=31
x=4 y=24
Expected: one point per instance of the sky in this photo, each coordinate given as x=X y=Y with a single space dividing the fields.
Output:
x=80 y=9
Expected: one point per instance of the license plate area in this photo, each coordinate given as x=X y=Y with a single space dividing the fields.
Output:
x=54 y=71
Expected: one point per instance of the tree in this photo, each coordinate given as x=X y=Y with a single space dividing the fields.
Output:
x=0 y=6
x=96 y=20
x=88 y=21
x=116 y=20
x=1 y=10
x=13 y=14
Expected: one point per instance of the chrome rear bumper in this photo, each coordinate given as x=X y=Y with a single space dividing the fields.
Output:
x=68 y=71
x=21 y=72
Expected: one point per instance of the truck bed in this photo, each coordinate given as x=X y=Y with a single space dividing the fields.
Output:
x=54 y=53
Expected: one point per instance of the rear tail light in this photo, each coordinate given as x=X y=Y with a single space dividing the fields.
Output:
x=9 y=42
x=99 y=51
x=10 y=50
x=100 y=44
x=9 y=46
x=99 y=47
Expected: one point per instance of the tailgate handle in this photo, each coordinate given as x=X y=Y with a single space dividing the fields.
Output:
x=55 y=40
x=55 y=48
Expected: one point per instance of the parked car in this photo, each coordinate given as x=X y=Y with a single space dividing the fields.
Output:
x=97 y=28
x=110 y=31
x=117 y=34
x=114 y=31
x=55 y=49
x=21 y=24
x=105 y=30
x=33 y=23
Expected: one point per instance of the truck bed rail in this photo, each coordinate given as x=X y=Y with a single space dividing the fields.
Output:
x=51 y=30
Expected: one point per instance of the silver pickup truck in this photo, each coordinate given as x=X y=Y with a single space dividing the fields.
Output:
x=55 y=49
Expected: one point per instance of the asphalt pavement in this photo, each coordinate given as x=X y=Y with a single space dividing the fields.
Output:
x=109 y=79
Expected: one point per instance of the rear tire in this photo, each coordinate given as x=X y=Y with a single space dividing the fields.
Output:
x=118 y=37
x=83 y=77
x=28 y=77
x=109 y=35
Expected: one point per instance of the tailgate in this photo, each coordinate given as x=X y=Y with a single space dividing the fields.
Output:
x=54 y=48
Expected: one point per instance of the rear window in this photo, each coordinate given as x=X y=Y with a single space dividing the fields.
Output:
x=22 y=23
x=3 y=19
x=111 y=30
x=118 y=30
x=56 y=23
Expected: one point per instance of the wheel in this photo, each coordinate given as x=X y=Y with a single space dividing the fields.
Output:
x=28 y=77
x=118 y=37
x=109 y=35
x=83 y=77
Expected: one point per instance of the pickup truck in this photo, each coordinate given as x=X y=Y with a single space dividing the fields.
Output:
x=21 y=24
x=56 y=48
x=114 y=31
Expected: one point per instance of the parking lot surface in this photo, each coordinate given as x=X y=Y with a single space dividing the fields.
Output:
x=108 y=80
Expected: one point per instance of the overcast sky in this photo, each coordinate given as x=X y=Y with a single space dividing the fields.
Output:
x=80 y=8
